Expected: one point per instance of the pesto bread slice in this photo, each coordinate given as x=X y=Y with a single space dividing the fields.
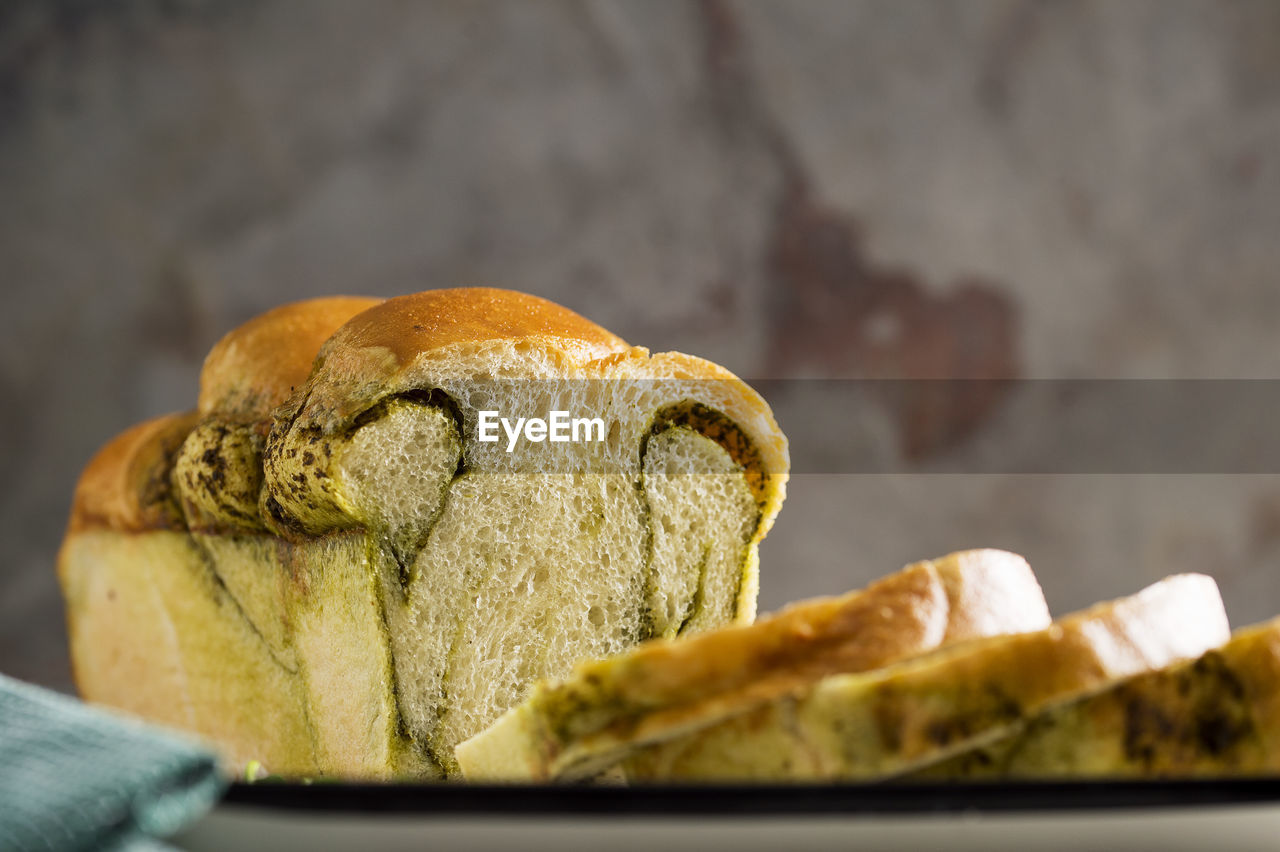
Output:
x=1212 y=716
x=588 y=721
x=920 y=711
x=338 y=573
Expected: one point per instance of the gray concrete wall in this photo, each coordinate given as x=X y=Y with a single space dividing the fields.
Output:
x=976 y=189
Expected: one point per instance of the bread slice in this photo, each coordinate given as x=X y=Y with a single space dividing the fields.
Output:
x=904 y=716
x=584 y=724
x=1215 y=715
x=336 y=576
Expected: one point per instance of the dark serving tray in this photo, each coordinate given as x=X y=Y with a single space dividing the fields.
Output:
x=1076 y=815
x=751 y=800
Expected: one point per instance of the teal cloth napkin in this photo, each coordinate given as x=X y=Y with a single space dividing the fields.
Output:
x=77 y=777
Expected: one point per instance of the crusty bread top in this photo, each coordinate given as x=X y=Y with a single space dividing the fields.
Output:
x=319 y=363
x=126 y=484
x=433 y=319
x=376 y=352
x=256 y=366
x=250 y=371
x=413 y=342
x=509 y=344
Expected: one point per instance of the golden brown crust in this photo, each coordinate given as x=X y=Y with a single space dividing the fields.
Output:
x=990 y=592
x=345 y=352
x=250 y=371
x=125 y=486
x=433 y=319
x=425 y=341
x=372 y=353
x=256 y=366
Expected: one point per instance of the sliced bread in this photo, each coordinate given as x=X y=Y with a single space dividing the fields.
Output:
x=902 y=717
x=577 y=726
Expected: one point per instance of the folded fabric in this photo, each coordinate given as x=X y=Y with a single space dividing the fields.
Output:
x=78 y=777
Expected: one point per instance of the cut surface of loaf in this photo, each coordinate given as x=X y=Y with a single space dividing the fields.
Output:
x=1212 y=716
x=328 y=559
x=587 y=722
x=924 y=710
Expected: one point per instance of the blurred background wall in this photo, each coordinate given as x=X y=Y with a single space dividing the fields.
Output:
x=965 y=189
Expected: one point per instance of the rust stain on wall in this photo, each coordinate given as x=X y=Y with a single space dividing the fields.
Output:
x=835 y=313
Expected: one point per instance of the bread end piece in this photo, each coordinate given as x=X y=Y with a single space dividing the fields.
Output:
x=344 y=372
x=126 y=486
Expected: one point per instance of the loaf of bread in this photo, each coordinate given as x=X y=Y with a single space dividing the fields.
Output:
x=924 y=710
x=1212 y=716
x=663 y=688
x=340 y=564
